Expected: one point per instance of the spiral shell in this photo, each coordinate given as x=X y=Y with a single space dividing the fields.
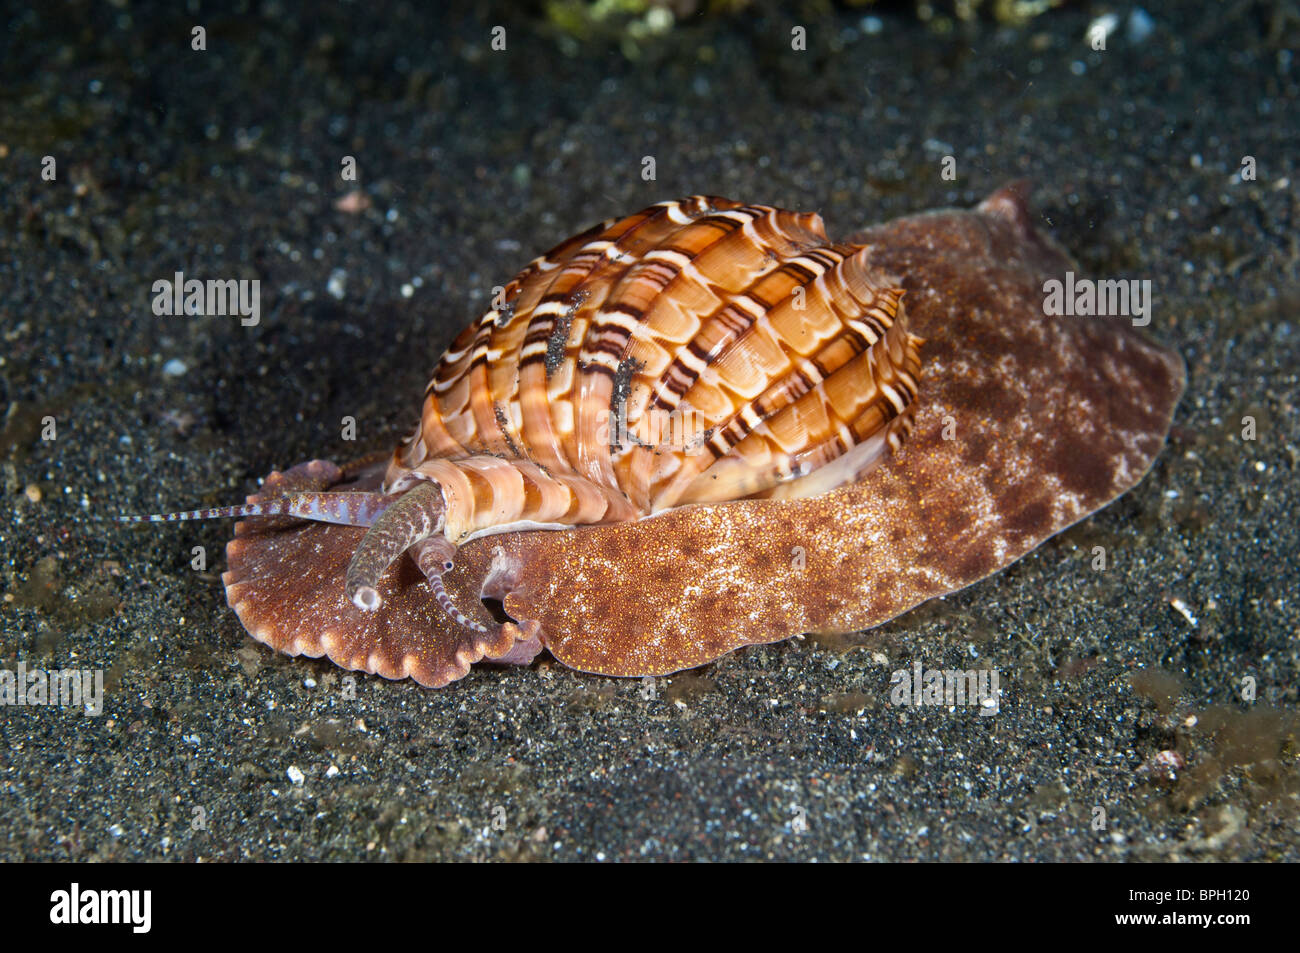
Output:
x=698 y=351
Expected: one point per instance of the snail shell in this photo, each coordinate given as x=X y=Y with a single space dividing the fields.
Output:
x=697 y=351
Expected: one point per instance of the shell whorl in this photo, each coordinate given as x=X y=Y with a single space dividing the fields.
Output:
x=697 y=351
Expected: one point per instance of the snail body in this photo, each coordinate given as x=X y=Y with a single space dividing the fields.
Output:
x=670 y=398
x=698 y=351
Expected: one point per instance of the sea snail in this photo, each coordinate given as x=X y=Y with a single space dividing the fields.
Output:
x=697 y=352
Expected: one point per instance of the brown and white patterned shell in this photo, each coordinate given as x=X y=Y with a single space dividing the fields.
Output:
x=698 y=351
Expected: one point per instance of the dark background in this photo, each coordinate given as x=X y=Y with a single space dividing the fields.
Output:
x=225 y=163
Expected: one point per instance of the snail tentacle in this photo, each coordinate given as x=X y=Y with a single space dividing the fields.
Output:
x=433 y=555
x=348 y=509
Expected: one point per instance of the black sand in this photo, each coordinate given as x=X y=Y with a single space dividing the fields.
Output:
x=225 y=163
